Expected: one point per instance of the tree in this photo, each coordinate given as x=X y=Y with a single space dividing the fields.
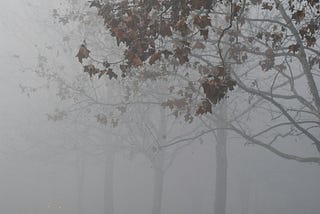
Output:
x=179 y=104
x=86 y=101
x=140 y=26
x=284 y=79
x=279 y=38
x=229 y=34
x=56 y=73
x=157 y=134
x=281 y=80
x=178 y=37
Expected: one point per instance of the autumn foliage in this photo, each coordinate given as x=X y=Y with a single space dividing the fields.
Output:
x=155 y=30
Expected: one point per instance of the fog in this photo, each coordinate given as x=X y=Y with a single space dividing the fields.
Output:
x=59 y=156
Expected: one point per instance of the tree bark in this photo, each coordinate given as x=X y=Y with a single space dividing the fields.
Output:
x=108 y=181
x=80 y=179
x=244 y=193
x=158 y=164
x=157 y=190
x=158 y=180
x=221 y=164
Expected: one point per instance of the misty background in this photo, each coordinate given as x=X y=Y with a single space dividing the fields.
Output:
x=40 y=159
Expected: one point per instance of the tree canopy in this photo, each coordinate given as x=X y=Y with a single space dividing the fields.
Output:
x=204 y=42
x=151 y=30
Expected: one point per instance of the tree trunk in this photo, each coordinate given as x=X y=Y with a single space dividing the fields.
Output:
x=158 y=180
x=197 y=199
x=108 y=181
x=244 y=195
x=157 y=190
x=80 y=179
x=221 y=165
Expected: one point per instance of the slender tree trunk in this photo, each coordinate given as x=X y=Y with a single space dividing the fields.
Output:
x=158 y=180
x=197 y=199
x=108 y=181
x=158 y=165
x=245 y=195
x=157 y=190
x=80 y=179
x=221 y=177
x=221 y=165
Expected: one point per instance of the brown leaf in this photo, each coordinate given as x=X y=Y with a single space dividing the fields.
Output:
x=204 y=33
x=156 y=56
x=294 y=48
x=198 y=4
x=298 y=16
x=198 y=45
x=133 y=59
x=83 y=53
x=111 y=74
x=276 y=38
x=102 y=72
x=125 y=69
x=303 y=31
x=131 y=21
x=120 y=35
x=182 y=54
x=132 y=35
x=90 y=69
x=313 y=27
x=112 y=23
x=217 y=71
x=165 y=29
x=268 y=63
x=231 y=84
x=183 y=27
x=311 y=41
x=202 y=21
x=204 y=107
x=210 y=90
x=136 y=61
